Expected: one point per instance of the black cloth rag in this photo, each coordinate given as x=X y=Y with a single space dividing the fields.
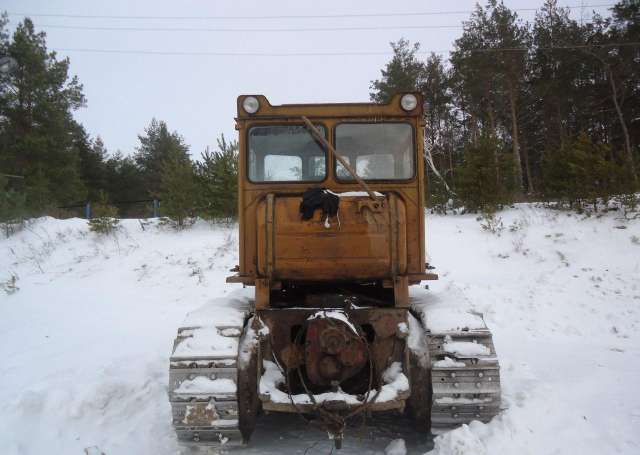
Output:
x=319 y=198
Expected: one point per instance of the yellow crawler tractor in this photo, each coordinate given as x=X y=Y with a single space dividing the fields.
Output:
x=332 y=234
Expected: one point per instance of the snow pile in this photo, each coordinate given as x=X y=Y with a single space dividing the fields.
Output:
x=248 y=344
x=462 y=441
x=395 y=382
x=203 y=385
x=448 y=362
x=561 y=294
x=445 y=318
x=86 y=340
x=450 y=400
x=234 y=305
x=87 y=337
x=334 y=314
x=464 y=348
x=202 y=341
x=357 y=194
x=396 y=447
x=272 y=378
x=417 y=341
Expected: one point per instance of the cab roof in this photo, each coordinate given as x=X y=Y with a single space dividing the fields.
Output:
x=392 y=109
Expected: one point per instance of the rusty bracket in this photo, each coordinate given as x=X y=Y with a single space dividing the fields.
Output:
x=369 y=209
x=376 y=206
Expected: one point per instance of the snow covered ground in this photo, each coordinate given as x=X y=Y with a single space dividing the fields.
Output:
x=84 y=342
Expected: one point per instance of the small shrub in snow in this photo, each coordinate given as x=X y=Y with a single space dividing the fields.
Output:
x=11 y=227
x=144 y=223
x=519 y=224
x=518 y=246
x=10 y=286
x=195 y=270
x=105 y=217
x=563 y=258
x=175 y=224
x=629 y=204
x=491 y=223
x=635 y=240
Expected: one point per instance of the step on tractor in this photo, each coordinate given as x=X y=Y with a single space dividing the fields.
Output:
x=331 y=235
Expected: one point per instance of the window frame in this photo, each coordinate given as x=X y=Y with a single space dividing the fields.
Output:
x=286 y=182
x=414 y=156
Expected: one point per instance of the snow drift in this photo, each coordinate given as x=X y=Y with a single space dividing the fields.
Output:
x=85 y=340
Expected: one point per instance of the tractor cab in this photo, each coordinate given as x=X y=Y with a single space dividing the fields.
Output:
x=366 y=162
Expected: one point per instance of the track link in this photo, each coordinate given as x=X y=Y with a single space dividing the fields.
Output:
x=465 y=378
x=203 y=390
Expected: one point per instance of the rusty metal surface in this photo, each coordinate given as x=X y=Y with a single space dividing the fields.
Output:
x=397 y=404
x=333 y=352
x=365 y=246
x=378 y=325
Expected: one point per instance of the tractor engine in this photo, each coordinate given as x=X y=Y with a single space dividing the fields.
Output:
x=333 y=350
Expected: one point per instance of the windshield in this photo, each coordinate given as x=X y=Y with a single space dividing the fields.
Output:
x=285 y=153
x=377 y=151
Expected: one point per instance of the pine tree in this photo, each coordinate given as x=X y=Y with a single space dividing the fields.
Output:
x=581 y=171
x=492 y=79
x=93 y=156
x=217 y=180
x=617 y=66
x=437 y=196
x=475 y=74
x=480 y=183
x=404 y=73
x=38 y=194
x=441 y=140
x=535 y=88
x=509 y=34
x=124 y=181
x=157 y=145
x=557 y=76
x=37 y=99
x=178 y=189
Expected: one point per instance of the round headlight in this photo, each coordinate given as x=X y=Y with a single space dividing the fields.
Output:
x=250 y=104
x=408 y=102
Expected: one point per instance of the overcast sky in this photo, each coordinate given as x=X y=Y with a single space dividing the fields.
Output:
x=195 y=94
